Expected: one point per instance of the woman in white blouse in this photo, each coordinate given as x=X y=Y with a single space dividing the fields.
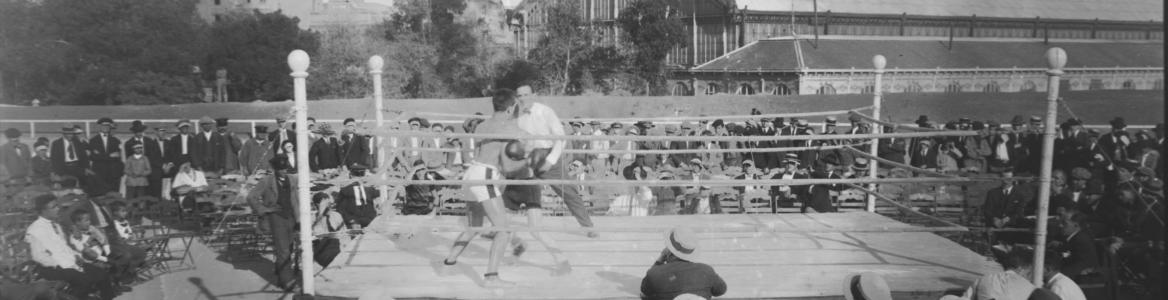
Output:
x=188 y=184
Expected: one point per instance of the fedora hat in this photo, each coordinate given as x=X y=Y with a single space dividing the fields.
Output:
x=923 y=119
x=1118 y=122
x=683 y=243
x=105 y=120
x=323 y=129
x=866 y=286
x=791 y=158
x=1017 y=120
x=206 y=120
x=12 y=133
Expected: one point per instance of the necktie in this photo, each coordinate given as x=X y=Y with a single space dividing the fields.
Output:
x=359 y=193
x=72 y=155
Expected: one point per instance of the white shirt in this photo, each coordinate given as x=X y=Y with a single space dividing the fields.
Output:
x=69 y=158
x=104 y=141
x=183 y=138
x=359 y=195
x=1064 y=287
x=194 y=179
x=48 y=245
x=207 y=135
x=542 y=120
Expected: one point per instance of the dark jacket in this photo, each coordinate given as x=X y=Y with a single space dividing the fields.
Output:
x=324 y=154
x=1081 y=254
x=819 y=196
x=208 y=154
x=351 y=211
x=174 y=151
x=354 y=150
x=57 y=155
x=998 y=204
x=668 y=280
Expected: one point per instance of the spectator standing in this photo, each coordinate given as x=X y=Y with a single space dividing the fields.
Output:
x=975 y=148
x=353 y=146
x=894 y=149
x=280 y=134
x=70 y=156
x=15 y=156
x=106 y=159
x=41 y=167
x=207 y=155
x=256 y=152
x=325 y=153
x=679 y=270
x=137 y=171
x=1115 y=143
x=181 y=145
x=152 y=153
x=807 y=158
x=231 y=146
x=275 y=198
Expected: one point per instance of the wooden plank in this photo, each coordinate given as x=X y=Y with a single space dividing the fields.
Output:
x=773 y=265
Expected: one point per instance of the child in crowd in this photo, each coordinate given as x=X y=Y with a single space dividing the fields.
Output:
x=42 y=167
x=121 y=216
x=87 y=239
x=137 y=169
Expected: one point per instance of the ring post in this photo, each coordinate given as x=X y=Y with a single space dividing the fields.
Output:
x=878 y=62
x=375 y=65
x=1057 y=59
x=298 y=61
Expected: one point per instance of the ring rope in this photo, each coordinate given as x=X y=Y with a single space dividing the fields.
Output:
x=671 y=119
x=866 y=136
x=409 y=227
x=624 y=182
x=904 y=207
x=663 y=151
x=901 y=165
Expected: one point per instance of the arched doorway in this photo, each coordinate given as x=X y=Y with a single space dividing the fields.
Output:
x=682 y=89
x=745 y=89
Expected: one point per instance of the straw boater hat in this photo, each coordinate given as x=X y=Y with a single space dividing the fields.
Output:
x=791 y=158
x=105 y=121
x=861 y=164
x=183 y=123
x=683 y=243
x=866 y=286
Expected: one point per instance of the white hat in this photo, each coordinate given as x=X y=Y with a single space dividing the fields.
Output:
x=866 y=286
x=683 y=243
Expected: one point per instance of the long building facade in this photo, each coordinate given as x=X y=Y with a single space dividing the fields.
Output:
x=735 y=48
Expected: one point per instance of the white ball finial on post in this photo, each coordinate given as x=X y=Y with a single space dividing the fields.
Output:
x=376 y=64
x=298 y=61
x=1056 y=58
x=879 y=62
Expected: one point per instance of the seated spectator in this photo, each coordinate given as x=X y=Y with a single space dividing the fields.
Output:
x=1012 y=283
x=666 y=195
x=635 y=200
x=1005 y=207
x=356 y=202
x=188 y=184
x=695 y=194
x=325 y=247
x=1077 y=247
x=866 y=286
x=679 y=270
x=49 y=248
x=86 y=238
x=1056 y=282
x=126 y=258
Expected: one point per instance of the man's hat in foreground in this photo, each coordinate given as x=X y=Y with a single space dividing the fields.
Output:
x=683 y=243
x=866 y=286
x=12 y=133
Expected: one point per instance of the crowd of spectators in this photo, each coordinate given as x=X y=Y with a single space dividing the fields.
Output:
x=1107 y=187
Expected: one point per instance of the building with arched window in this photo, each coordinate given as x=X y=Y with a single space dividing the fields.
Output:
x=843 y=65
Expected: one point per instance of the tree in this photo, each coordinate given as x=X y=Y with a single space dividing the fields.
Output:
x=650 y=35
x=565 y=38
x=253 y=48
x=83 y=52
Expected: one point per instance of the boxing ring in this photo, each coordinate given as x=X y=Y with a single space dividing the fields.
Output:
x=758 y=255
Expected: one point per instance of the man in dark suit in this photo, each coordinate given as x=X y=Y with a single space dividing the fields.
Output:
x=894 y=149
x=1078 y=247
x=819 y=195
x=355 y=202
x=925 y=156
x=325 y=152
x=767 y=160
x=181 y=146
x=680 y=159
x=789 y=194
x=807 y=158
x=70 y=155
x=1116 y=142
x=275 y=198
x=282 y=133
x=208 y=151
x=153 y=155
x=105 y=156
x=1005 y=206
x=354 y=148
x=15 y=156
